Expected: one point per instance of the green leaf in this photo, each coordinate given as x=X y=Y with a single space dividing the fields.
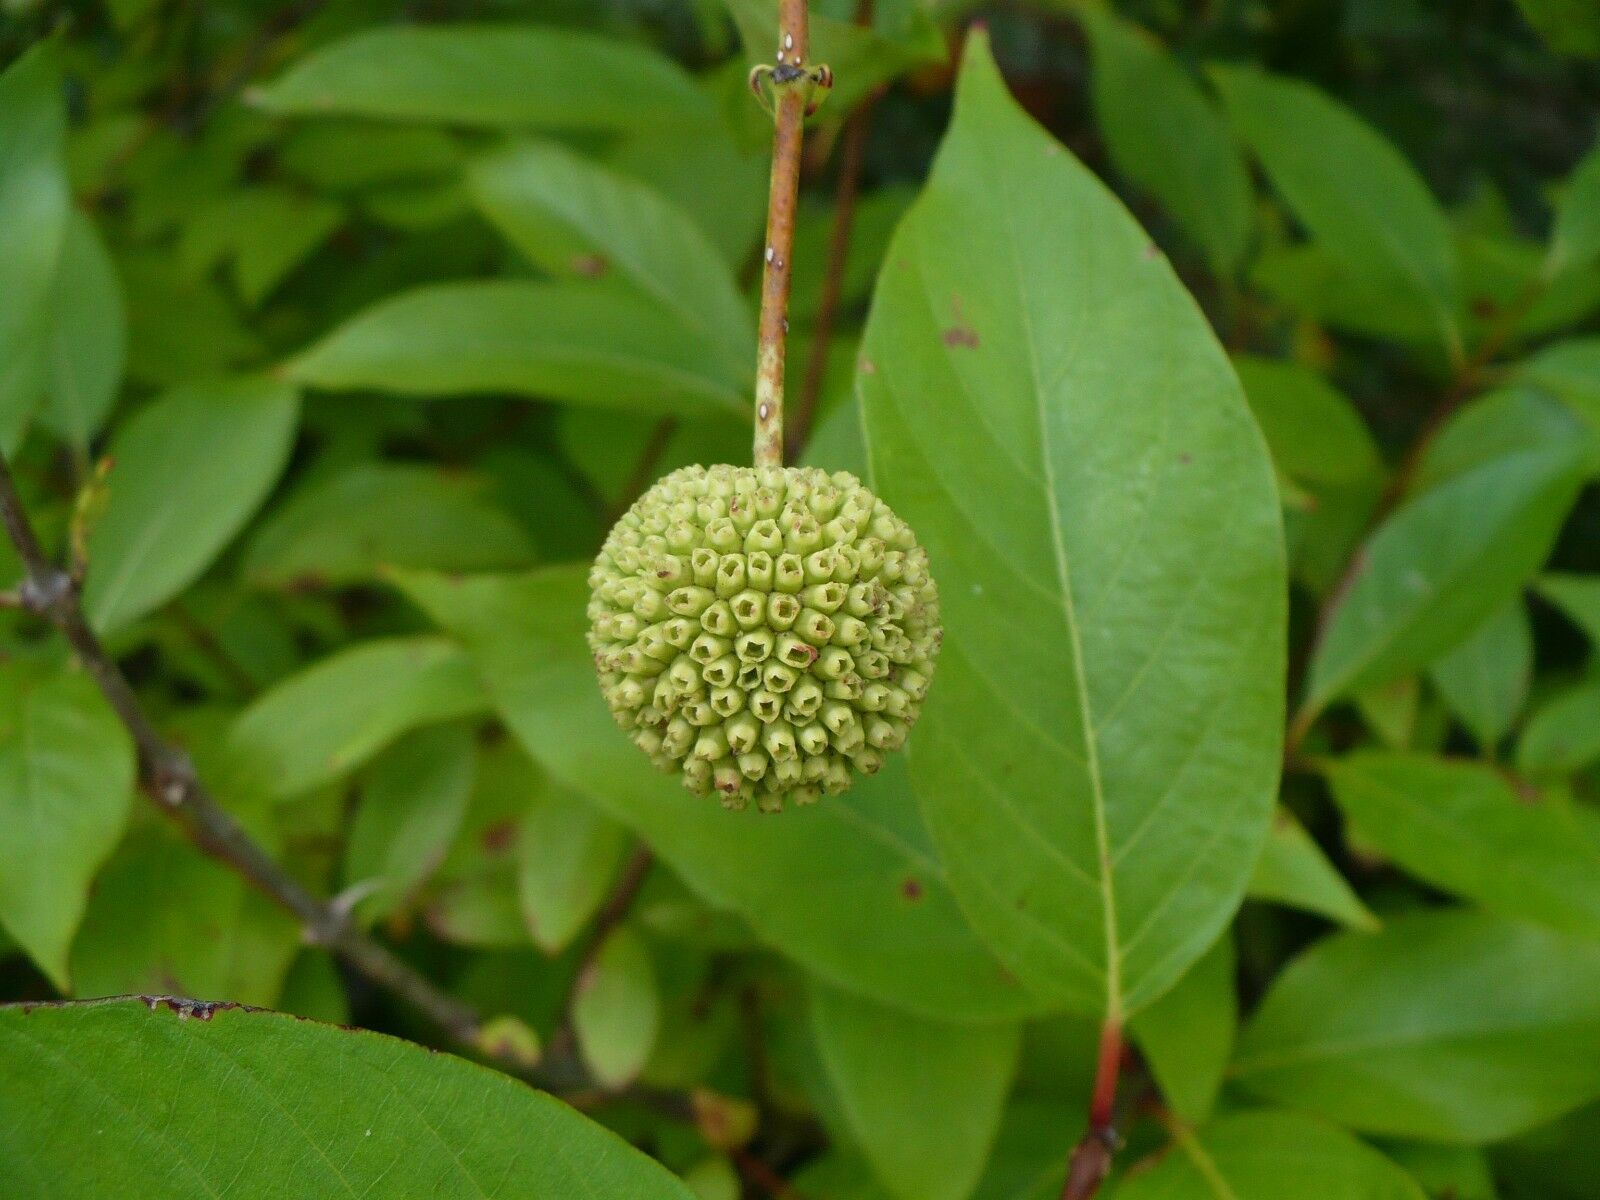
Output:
x=1460 y=827
x=585 y=342
x=1446 y=1172
x=1563 y=736
x=1443 y=564
x=1575 y=240
x=263 y=233
x=331 y=717
x=923 y=1098
x=1507 y=421
x=1578 y=597
x=1293 y=871
x=577 y=219
x=1360 y=200
x=880 y=920
x=66 y=781
x=347 y=527
x=1186 y=1037
x=88 y=337
x=1446 y=1026
x=1255 y=1155
x=1046 y=407
x=616 y=1009
x=1570 y=371
x=1484 y=680
x=1571 y=26
x=36 y=202
x=185 y=1100
x=1166 y=136
x=190 y=470
x=166 y=917
x=567 y=855
x=491 y=75
x=412 y=800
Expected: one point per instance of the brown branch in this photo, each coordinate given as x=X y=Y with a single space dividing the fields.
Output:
x=852 y=150
x=791 y=87
x=167 y=775
x=1091 y=1157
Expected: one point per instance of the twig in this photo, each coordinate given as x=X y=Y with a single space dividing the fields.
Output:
x=852 y=150
x=168 y=776
x=1091 y=1157
x=792 y=83
x=764 y=1177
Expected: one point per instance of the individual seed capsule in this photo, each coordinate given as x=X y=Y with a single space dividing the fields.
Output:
x=749 y=609
x=754 y=646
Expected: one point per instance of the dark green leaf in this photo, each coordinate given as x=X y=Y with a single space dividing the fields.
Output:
x=1447 y=1025
x=577 y=219
x=88 y=337
x=1571 y=26
x=1578 y=597
x=180 y=1099
x=1293 y=871
x=1359 y=198
x=923 y=1098
x=66 y=781
x=1047 y=408
x=330 y=718
x=190 y=470
x=1441 y=565
x=1460 y=827
x=585 y=342
x=1564 y=734
x=1484 y=680
x=1187 y=1035
x=1169 y=139
x=1575 y=241
x=492 y=75
x=1254 y=1155
x=347 y=527
x=34 y=198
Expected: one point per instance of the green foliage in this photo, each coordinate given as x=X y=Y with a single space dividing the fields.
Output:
x=1238 y=369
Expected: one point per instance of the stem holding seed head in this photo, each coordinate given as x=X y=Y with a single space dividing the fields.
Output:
x=793 y=90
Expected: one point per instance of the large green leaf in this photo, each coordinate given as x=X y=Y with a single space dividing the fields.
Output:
x=66 y=780
x=1294 y=871
x=1564 y=734
x=1168 y=138
x=589 y=342
x=1459 y=826
x=330 y=718
x=190 y=470
x=1447 y=1025
x=179 y=1099
x=1047 y=408
x=1575 y=240
x=575 y=218
x=850 y=888
x=1267 y=1156
x=1485 y=679
x=88 y=340
x=923 y=1098
x=1359 y=198
x=1187 y=1035
x=500 y=75
x=346 y=527
x=412 y=801
x=1441 y=565
x=35 y=200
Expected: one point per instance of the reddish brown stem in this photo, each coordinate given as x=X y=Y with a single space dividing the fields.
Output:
x=1091 y=1157
x=794 y=44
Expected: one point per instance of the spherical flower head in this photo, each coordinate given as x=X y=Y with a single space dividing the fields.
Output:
x=764 y=632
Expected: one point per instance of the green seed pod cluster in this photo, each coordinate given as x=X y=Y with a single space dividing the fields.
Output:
x=766 y=632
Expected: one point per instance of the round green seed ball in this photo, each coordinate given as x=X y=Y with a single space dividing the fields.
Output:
x=765 y=632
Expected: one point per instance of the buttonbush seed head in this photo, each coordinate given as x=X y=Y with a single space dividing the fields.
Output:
x=764 y=632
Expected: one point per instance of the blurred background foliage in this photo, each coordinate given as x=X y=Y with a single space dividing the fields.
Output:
x=333 y=322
